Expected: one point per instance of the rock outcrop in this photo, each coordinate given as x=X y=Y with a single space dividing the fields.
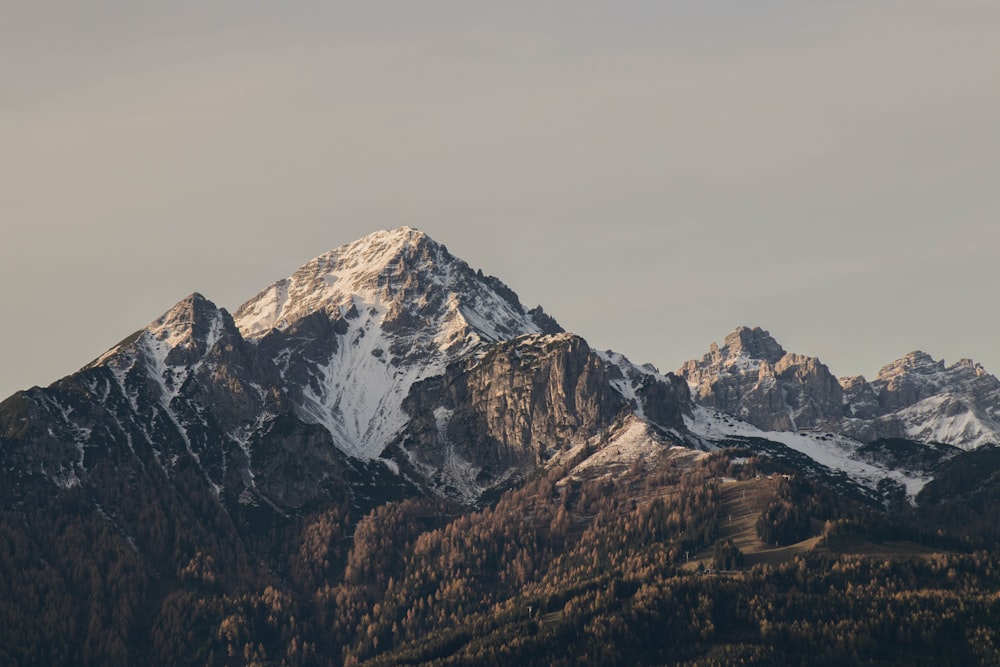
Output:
x=504 y=414
x=920 y=398
x=752 y=377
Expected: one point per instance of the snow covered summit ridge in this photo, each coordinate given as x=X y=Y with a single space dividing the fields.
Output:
x=383 y=270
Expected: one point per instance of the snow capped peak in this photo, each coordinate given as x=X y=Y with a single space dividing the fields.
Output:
x=180 y=336
x=195 y=323
x=402 y=271
x=355 y=327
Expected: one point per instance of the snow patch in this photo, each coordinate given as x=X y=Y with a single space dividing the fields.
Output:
x=828 y=449
x=629 y=444
x=949 y=419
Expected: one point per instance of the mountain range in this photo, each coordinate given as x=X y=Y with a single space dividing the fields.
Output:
x=387 y=372
x=395 y=356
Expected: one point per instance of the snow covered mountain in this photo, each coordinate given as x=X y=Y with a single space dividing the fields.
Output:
x=352 y=330
x=752 y=378
x=922 y=399
x=389 y=366
x=384 y=358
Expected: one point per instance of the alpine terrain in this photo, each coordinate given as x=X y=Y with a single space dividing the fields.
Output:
x=386 y=458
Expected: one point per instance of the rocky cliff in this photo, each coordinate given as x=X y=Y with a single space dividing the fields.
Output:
x=752 y=378
x=920 y=398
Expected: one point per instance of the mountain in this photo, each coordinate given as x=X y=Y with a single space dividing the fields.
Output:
x=389 y=359
x=387 y=356
x=354 y=329
x=752 y=378
x=921 y=399
x=385 y=458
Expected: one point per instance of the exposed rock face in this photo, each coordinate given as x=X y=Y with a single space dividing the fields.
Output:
x=908 y=380
x=751 y=377
x=920 y=398
x=488 y=418
x=811 y=392
x=860 y=399
x=503 y=415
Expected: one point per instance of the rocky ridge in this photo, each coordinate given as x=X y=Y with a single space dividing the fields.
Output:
x=752 y=378
x=390 y=360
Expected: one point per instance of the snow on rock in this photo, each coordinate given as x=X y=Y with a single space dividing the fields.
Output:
x=916 y=396
x=628 y=377
x=949 y=419
x=404 y=308
x=833 y=451
x=633 y=442
x=922 y=399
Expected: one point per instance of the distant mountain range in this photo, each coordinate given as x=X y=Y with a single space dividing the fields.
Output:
x=752 y=377
x=388 y=369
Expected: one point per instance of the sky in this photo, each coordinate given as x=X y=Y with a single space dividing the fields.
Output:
x=654 y=174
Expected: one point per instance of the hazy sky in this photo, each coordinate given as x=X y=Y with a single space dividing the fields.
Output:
x=653 y=173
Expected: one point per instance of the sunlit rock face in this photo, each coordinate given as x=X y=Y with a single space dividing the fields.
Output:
x=920 y=398
x=751 y=377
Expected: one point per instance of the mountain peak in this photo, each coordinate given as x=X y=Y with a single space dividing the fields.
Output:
x=382 y=247
x=402 y=273
x=189 y=322
x=755 y=343
x=377 y=315
x=912 y=363
x=370 y=270
x=752 y=377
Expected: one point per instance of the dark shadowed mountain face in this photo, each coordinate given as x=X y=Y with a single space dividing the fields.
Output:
x=385 y=458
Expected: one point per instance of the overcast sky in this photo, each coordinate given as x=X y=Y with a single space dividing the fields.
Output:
x=653 y=173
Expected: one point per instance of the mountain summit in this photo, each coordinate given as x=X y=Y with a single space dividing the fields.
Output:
x=352 y=330
x=413 y=281
x=752 y=377
x=921 y=398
